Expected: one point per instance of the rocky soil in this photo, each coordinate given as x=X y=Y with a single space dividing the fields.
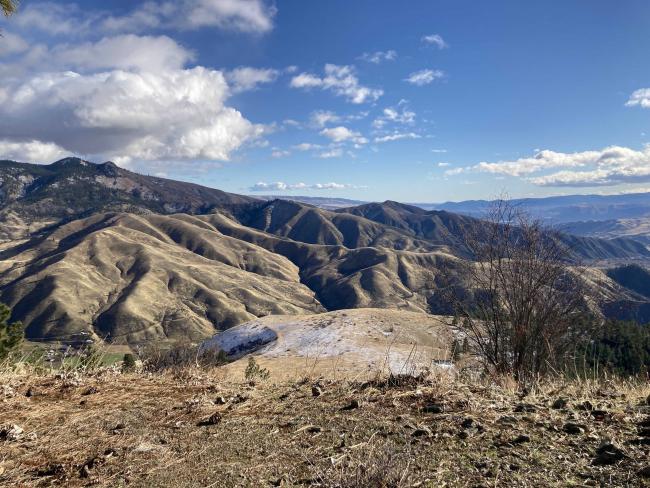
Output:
x=197 y=428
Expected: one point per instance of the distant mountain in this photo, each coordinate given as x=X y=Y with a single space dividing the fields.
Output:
x=446 y=228
x=35 y=195
x=637 y=229
x=321 y=202
x=564 y=209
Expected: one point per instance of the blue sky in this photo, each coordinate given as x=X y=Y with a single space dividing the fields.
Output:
x=423 y=101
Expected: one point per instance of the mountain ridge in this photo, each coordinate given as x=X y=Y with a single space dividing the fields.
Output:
x=132 y=258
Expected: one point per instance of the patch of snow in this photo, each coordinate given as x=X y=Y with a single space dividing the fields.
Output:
x=240 y=340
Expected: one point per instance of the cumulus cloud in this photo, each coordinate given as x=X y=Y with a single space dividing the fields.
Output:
x=612 y=165
x=379 y=56
x=246 y=78
x=542 y=160
x=31 y=151
x=397 y=136
x=343 y=134
x=251 y=16
x=435 y=40
x=341 y=80
x=281 y=186
x=128 y=51
x=175 y=114
x=424 y=77
x=399 y=115
x=640 y=98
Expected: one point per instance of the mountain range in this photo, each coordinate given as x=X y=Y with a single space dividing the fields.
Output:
x=97 y=251
x=605 y=216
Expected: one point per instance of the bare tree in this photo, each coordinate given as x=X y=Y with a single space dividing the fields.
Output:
x=525 y=306
x=8 y=6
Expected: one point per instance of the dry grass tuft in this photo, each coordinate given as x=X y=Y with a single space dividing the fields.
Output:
x=196 y=427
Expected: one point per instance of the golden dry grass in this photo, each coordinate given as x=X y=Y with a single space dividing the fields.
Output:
x=110 y=429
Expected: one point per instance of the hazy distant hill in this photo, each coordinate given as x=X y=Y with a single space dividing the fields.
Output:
x=563 y=209
x=328 y=203
x=637 y=229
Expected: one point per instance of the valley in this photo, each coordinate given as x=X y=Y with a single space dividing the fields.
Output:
x=96 y=251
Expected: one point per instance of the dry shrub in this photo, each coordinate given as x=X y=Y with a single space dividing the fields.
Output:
x=527 y=305
x=180 y=356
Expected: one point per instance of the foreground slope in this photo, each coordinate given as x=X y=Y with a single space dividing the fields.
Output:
x=155 y=430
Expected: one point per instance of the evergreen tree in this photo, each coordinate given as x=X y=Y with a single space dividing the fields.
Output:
x=11 y=334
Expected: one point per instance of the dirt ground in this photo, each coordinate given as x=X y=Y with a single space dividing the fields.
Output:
x=197 y=428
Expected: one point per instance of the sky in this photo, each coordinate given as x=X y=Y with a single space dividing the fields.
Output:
x=418 y=101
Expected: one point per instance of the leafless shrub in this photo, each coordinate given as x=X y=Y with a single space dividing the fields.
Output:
x=523 y=304
x=180 y=356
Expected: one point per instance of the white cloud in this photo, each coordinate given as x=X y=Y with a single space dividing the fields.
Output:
x=438 y=151
x=306 y=146
x=424 y=77
x=455 y=171
x=341 y=80
x=246 y=78
x=251 y=16
x=397 y=136
x=612 y=165
x=55 y=18
x=336 y=152
x=639 y=97
x=320 y=118
x=121 y=52
x=343 y=134
x=542 y=160
x=443 y=165
x=176 y=114
x=31 y=151
x=127 y=52
x=281 y=186
x=292 y=123
x=12 y=43
x=436 y=40
x=379 y=56
x=399 y=115
x=280 y=153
